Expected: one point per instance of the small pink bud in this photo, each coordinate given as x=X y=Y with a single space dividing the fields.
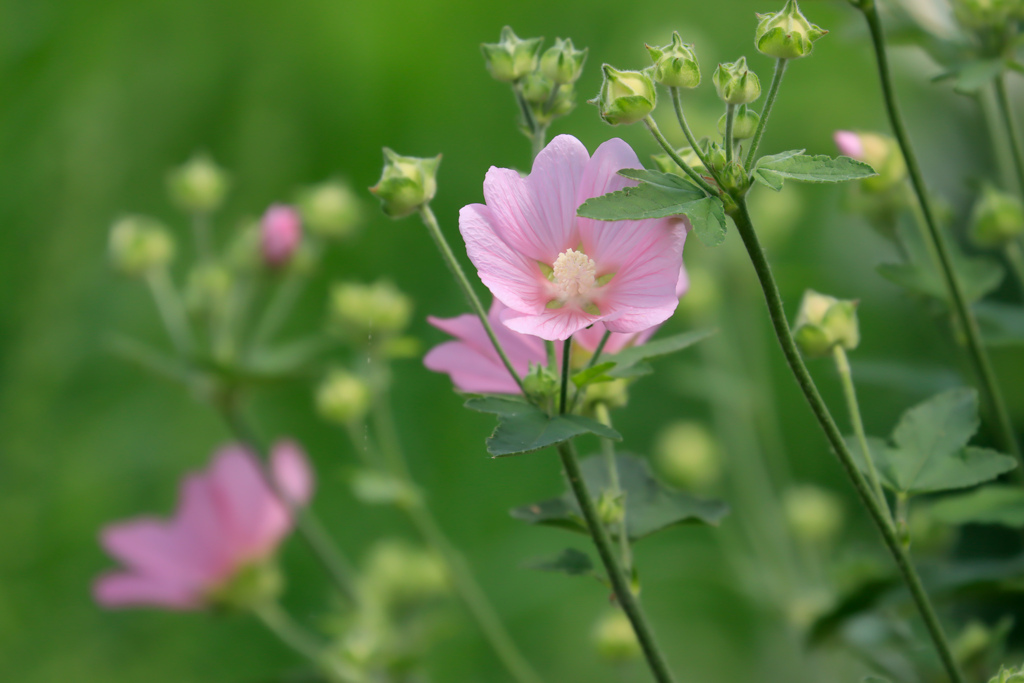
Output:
x=280 y=234
x=849 y=144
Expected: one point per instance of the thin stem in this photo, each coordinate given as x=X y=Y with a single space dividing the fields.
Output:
x=171 y=309
x=600 y=348
x=281 y=624
x=1016 y=259
x=846 y=377
x=608 y=451
x=281 y=305
x=677 y=102
x=620 y=583
x=1011 y=130
x=976 y=350
x=537 y=131
x=730 y=117
x=201 y=234
x=552 y=357
x=769 y=103
x=778 y=317
x=460 y=276
x=665 y=145
x=566 y=353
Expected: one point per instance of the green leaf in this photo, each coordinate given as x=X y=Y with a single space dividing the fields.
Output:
x=974 y=75
x=671 y=181
x=523 y=428
x=707 y=216
x=637 y=203
x=929 y=449
x=593 y=375
x=627 y=360
x=650 y=505
x=1001 y=324
x=772 y=170
x=994 y=504
x=570 y=561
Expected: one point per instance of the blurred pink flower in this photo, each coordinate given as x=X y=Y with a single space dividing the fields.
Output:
x=559 y=273
x=849 y=144
x=228 y=518
x=280 y=234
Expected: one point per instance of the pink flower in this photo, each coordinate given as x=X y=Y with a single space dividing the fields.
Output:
x=228 y=518
x=280 y=234
x=849 y=144
x=559 y=273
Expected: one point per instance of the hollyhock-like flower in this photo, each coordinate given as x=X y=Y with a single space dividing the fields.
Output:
x=228 y=519
x=280 y=234
x=559 y=273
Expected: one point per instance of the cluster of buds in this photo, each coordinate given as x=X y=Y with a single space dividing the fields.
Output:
x=140 y=245
x=545 y=81
x=786 y=34
x=825 y=322
x=406 y=184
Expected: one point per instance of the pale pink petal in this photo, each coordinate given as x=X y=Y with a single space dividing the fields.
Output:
x=590 y=337
x=642 y=319
x=280 y=234
x=683 y=284
x=292 y=472
x=203 y=527
x=602 y=173
x=470 y=370
x=849 y=144
x=129 y=590
x=555 y=324
x=154 y=548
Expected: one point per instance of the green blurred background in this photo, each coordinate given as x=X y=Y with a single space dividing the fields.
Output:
x=99 y=98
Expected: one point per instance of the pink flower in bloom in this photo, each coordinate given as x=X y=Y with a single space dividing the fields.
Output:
x=559 y=273
x=849 y=144
x=280 y=234
x=228 y=518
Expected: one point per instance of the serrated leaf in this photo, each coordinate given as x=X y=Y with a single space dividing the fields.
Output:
x=650 y=505
x=593 y=375
x=989 y=505
x=707 y=216
x=1000 y=324
x=811 y=169
x=637 y=203
x=524 y=428
x=670 y=181
x=627 y=360
x=570 y=561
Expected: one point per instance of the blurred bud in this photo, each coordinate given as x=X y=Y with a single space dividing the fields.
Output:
x=207 y=287
x=540 y=383
x=330 y=210
x=562 y=63
x=139 y=245
x=744 y=123
x=987 y=14
x=511 y=57
x=815 y=515
x=997 y=218
x=675 y=65
x=280 y=235
x=377 y=308
x=824 y=322
x=688 y=455
x=735 y=83
x=667 y=164
x=248 y=588
x=198 y=185
x=1009 y=675
x=881 y=152
x=611 y=508
x=406 y=184
x=547 y=111
x=973 y=643
x=716 y=156
x=626 y=96
x=734 y=178
x=342 y=398
x=615 y=639
x=613 y=394
x=400 y=575
x=786 y=34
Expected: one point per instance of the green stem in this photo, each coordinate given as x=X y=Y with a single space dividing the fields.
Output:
x=1011 y=130
x=608 y=451
x=201 y=234
x=846 y=377
x=460 y=276
x=566 y=353
x=281 y=305
x=600 y=348
x=969 y=324
x=1016 y=259
x=172 y=311
x=677 y=102
x=769 y=103
x=777 y=314
x=665 y=145
x=730 y=116
x=281 y=624
x=537 y=131
x=620 y=583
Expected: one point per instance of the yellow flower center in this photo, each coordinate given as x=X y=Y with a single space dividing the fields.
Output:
x=574 y=274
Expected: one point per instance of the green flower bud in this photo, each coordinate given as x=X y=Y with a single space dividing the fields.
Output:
x=562 y=63
x=613 y=394
x=611 y=508
x=406 y=184
x=824 y=322
x=675 y=65
x=540 y=383
x=198 y=185
x=815 y=515
x=615 y=639
x=734 y=178
x=139 y=244
x=537 y=88
x=997 y=218
x=399 y=574
x=379 y=308
x=786 y=34
x=1009 y=675
x=342 y=398
x=565 y=102
x=716 y=156
x=330 y=210
x=248 y=588
x=744 y=123
x=735 y=83
x=688 y=455
x=511 y=57
x=626 y=96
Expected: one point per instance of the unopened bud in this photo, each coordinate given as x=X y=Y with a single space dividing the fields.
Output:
x=688 y=455
x=198 y=185
x=744 y=123
x=540 y=383
x=881 y=152
x=1013 y=674
x=814 y=514
x=401 y=575
x=675 y=65
x=615 y=638
x=735 y=83
x=564 y=102
x=716 y=156
x=406 y=184
x=562 y=63
x=330 y=210
x=537 y=88
x=786 y=34
x=343 y=398
x=626 y=96
x=825 y=322
x=734 y=178
x=613 y=394
x=378 y=308
x=280 y=234
x=139 y=244
x=611 y=507
x=511 y=57
x=996 y=219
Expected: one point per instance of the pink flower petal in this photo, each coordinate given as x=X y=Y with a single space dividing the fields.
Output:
x=849 y=144
x=152 y=547
x=130 y=590
x=292 y=472
x=602 y=173
x=556 y=324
